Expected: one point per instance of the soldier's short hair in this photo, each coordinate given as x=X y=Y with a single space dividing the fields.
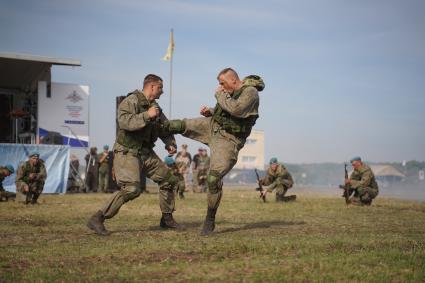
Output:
x=225 y=71
x=151 y=78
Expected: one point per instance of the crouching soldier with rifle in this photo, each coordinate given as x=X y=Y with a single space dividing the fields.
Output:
x=6 y=171
x=277 y=178
x=362 y=182
x=171 y=164
x=31 y=177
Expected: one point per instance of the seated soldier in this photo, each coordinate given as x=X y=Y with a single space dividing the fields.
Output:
x=278 y=178
x=362 y=182
x=5 y=171
x=30 y=178
x=171 y=164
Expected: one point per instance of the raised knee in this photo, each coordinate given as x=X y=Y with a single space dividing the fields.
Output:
x=131 y=191
x=214 y=182
x=169 y=182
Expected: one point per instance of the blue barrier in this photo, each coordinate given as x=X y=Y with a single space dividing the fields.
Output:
x=56 y=160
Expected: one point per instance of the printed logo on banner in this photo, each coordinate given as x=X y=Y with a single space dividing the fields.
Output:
x=66 y=112
x=74 y=97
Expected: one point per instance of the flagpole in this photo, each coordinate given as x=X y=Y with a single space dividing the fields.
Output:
x=171 y=82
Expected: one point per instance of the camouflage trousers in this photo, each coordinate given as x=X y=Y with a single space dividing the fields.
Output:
x=186 y=180
x=202 y=180
x=181 y=187
x=103 y=181
x=195 y=180
x=127 y=167
x=280 y=191
x=224 y=149
x=199 y=184
x=35 y=188
x=366 y=194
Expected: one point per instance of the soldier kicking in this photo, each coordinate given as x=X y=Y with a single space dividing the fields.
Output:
x=224 y=129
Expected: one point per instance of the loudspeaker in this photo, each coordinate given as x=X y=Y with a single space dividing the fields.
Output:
x=52 y=138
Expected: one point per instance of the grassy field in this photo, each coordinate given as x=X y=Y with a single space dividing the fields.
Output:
x=315 y=239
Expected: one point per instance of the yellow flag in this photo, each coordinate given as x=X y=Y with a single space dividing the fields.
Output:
x=170 y=48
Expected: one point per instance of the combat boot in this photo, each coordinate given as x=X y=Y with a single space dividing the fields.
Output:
x=209 y=223
x=355 y=201
x=181 y=195
x=168 y=222
x=96 y=224
x=290 y=198
x=28 y=197
x=35 y=198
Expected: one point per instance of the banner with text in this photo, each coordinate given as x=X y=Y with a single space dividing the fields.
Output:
x=63 y=113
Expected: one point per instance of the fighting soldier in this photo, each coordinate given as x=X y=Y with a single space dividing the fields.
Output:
x=224 y=129
x=140 y=122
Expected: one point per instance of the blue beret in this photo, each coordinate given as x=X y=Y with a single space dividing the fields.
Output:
x=106 y=147
x=355 y=158
x=34 y=153
x=10 y=168
x=169 y=160
x=273 y=160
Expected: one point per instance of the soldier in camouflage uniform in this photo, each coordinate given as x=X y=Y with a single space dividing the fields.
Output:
x=183 y=161
x=203 y=167
x=279 y=178
x=224 y=129
x=30 y=178
x=195 y=163
x=103 y=169
x=176 y=171
x=140 y=121
x=5 y=171
x=362 y=182
x=92 y=170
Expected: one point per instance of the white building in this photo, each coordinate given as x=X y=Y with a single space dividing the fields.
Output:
x=252 y=154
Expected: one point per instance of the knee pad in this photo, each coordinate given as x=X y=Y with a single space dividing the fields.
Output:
x=214 y=182
x=169 y=182
x=131 y=191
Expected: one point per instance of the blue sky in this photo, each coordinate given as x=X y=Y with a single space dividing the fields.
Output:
x=343 y=78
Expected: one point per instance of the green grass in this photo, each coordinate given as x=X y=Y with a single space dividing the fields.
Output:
x=315 y=239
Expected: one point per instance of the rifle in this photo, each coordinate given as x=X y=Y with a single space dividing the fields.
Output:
x=260 y=187
x=346 y=188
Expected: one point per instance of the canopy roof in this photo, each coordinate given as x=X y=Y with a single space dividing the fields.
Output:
x=20 y=71
x=385 y=170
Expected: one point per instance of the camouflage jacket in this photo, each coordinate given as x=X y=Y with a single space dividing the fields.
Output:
x=278 y=177
x=2 y=177
x=136 y=130
x=183 y=162
x=237 y=112
x=25 y=169
x=363 y=178
x=104 y=165
x=203 y=163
